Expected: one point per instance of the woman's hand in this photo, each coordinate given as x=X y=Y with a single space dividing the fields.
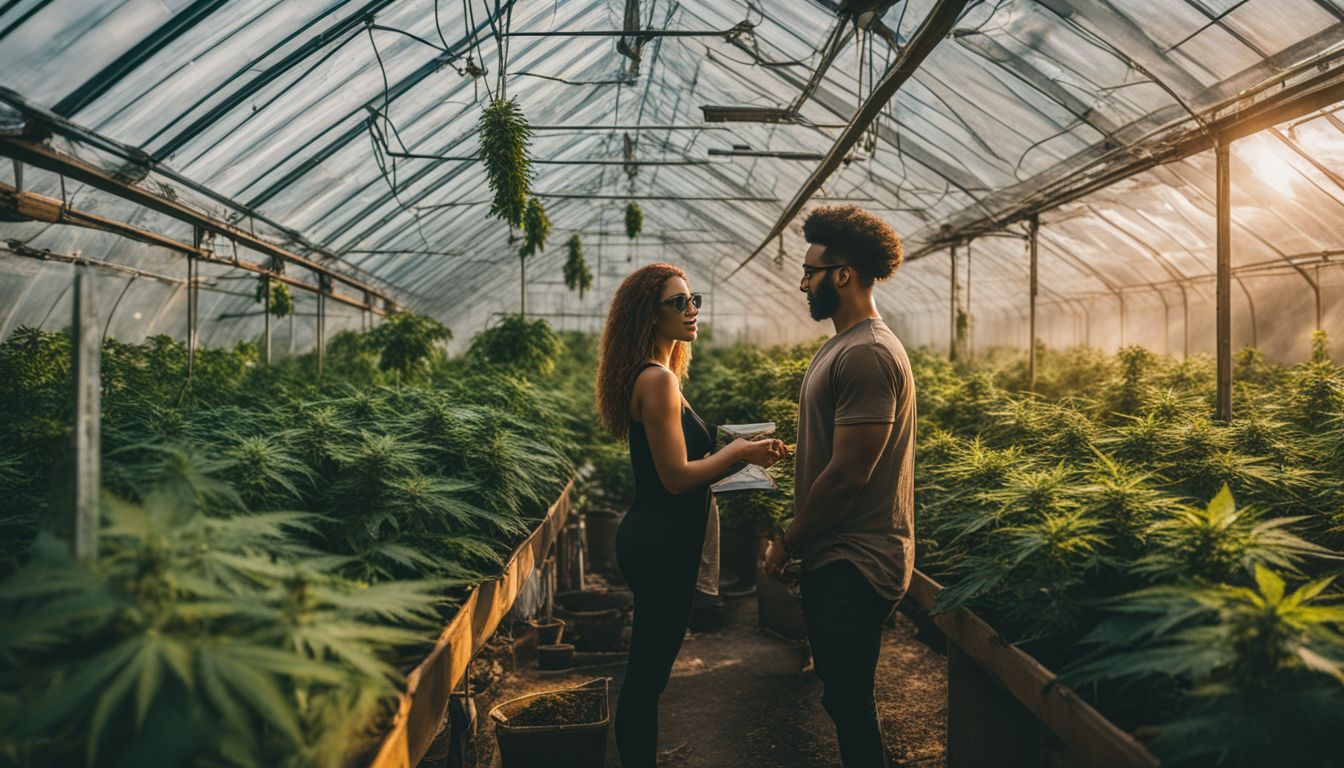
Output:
x=760 y=452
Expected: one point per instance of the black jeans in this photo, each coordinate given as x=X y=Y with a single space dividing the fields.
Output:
x=844 y=617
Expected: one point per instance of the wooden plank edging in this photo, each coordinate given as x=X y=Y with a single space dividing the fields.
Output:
x=428 y=686
x=1092 y=738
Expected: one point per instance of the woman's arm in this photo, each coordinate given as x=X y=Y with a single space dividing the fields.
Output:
x=657 y=402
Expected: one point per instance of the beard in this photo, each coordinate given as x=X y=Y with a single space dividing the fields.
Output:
x=825 y=301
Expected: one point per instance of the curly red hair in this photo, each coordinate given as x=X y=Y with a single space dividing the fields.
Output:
x=627 y=343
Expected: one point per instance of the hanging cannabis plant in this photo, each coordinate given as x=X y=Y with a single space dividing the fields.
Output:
x=506 y=140
x=577 y=276
x=634 y=220
x=536 y=228
x=282 y=304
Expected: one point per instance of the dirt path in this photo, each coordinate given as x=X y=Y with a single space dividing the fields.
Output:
x=743 y=698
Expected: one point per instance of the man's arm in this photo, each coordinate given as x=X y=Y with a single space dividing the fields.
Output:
x=855 y=454
x=856 y=451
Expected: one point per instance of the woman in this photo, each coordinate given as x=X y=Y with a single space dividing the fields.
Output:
x=645 y=353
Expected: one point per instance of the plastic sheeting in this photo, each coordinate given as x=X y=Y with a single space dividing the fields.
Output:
x=296 y=110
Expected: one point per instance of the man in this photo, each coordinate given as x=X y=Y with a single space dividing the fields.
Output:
x=854 y=483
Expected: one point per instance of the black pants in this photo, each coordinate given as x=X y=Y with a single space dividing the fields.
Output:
x=844 y=617
x=664 y=593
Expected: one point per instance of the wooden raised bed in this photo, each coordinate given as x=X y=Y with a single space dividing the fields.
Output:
x=999 y=696
x=430 y=685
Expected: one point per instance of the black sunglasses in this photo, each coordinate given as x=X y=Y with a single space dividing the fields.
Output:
x=679 y=301
x=809 y=270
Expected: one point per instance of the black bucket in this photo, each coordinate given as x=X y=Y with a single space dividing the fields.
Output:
x=596 y=620
x=583 y=601
x=600 y=528
x=578 y=738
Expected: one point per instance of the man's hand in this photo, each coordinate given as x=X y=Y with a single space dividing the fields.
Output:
x=775 y=558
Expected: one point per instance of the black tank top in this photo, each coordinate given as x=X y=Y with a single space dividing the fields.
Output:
x=657 y=513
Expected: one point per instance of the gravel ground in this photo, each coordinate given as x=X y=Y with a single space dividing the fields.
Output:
x=742 y=697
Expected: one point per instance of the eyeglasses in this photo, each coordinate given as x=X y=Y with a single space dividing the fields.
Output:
x=680 y=301
x=809 y=270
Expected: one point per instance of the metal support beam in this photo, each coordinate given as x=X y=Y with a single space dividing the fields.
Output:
x=931 y=32
x=137 y=54
x=193 y=297
x=266 y=314
x=74 y=168
x=970 y=324
x=323 y=286
x=1185 y=322
x=740 y=28
x=87 y=351
x=1250 y=306
x=1306 y=89
x=34 y=207
x=1033 y=237
x=1121 y=296
x=1224 y=283
x=952 y=299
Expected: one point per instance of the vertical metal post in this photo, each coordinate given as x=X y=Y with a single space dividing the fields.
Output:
x=1166 y=324
x=1031 y=336
x=18 y=176
x=266 y=320
x=1320 y=303
x=1224 y=308
x=1185 y=323
x=1250 y=305
x=952 y=300
x=193 y=298
x=87 y=351
x=191 y=314
x=522 y=287
x=1121 y=297
x=970 y=326
x=323 y=284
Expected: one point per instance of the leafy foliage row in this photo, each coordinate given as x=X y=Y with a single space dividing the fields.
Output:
x=275 y=549
x=1178 y=570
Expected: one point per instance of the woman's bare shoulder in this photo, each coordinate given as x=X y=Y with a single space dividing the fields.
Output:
x=656 y=380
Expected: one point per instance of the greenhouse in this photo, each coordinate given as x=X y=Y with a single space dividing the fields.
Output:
x=1012 y=435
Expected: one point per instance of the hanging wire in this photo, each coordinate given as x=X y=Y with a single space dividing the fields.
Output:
x=474 y=44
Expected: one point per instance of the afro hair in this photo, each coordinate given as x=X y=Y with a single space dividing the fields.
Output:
x=865 y=241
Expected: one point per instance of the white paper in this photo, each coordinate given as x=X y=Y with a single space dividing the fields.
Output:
x=750 y=478
x=748 y=431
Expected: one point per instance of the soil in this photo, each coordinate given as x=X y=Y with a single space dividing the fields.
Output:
x=563 y=708
x=741 y=697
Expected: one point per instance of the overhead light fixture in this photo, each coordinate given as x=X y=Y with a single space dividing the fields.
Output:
x=740 y=150
x=715 y=114
x=744 y=152
x=865 y=12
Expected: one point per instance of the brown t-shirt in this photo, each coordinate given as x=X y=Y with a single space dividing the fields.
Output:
x=862 y=376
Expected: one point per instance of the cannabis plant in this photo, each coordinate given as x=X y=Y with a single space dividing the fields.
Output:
x=506 y=140
x=1222 y=542
x=577 y=275
x=1264 y=665
x=528 y=347
x=189 y=638
x=634 y=220
x=281 y=303
x=536 y=228
x=266 y=470
x=406 y=341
